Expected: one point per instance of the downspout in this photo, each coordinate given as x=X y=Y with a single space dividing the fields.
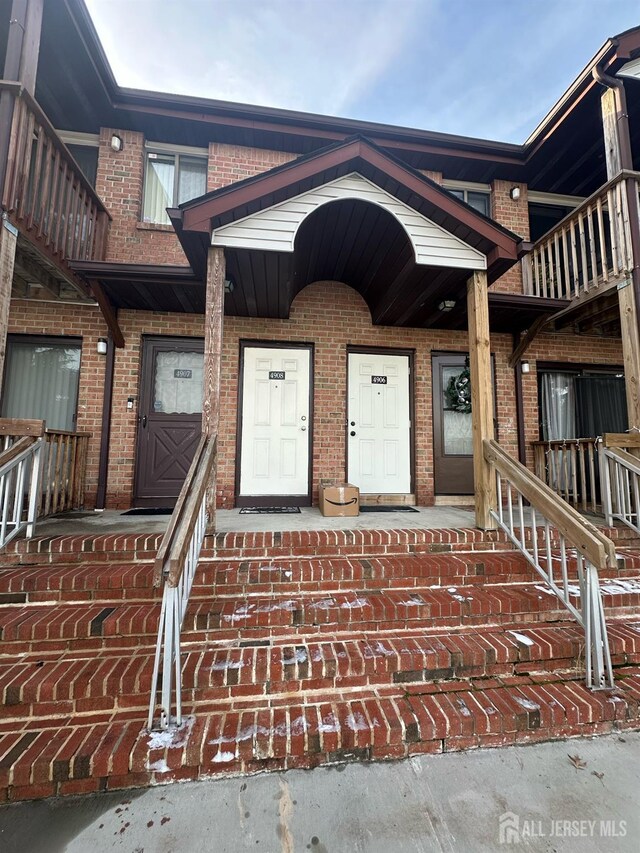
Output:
x=626 y=163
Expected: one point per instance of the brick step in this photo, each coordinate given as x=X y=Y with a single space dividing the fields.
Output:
x=94 y=626
x=298 y=543
x=73 y=685
x=133 y=581
x=39 y=760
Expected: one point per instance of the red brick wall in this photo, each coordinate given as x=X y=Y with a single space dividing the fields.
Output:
x=514 y=215
x=231 y=163
x=119 y=184
x=46 y=318
x=331 y=315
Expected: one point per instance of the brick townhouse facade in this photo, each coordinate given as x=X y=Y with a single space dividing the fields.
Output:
x=207 y=307
x=124 y=154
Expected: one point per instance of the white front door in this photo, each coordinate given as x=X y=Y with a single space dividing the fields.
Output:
x=379 y=423
x=275 y=422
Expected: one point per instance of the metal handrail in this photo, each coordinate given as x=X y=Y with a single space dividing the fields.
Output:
x=175 y=568
x=20 y=469
x=620 y=476
x=581 y=551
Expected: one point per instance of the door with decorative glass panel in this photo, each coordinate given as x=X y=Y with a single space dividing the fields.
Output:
x=275 y=426
x=452 y=436
x=169 y=417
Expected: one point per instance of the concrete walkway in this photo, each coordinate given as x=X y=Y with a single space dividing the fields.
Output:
x=450 y=802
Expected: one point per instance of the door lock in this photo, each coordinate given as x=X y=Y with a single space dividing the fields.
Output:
x=353 y=432
x=303 y=428
x=143 y=421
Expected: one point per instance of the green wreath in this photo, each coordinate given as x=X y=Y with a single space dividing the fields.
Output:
x=458 y=392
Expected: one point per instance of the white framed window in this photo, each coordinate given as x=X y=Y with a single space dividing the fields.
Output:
x=169 y=180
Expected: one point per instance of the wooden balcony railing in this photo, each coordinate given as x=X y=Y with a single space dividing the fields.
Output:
x=589 y=247
x=63 y=475
x=570 y=468
x=52 y=481
x=45 y=193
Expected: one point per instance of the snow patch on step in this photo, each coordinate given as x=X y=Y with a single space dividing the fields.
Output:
x=329 y=724
x=521 y=638
x=356 y=603
x=175 y=737
x=463 y=708
x=299 y=656
x=224 y=757
x=160 y=766
x=323 y=603
x=527 y=704
x=226 y=664
x=376 y=650
x=357 y=723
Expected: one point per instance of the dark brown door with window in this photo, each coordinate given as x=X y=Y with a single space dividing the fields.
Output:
x=169 y=417
x=452 y=437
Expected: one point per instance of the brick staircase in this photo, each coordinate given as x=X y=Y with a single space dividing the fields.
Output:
x=299 y=649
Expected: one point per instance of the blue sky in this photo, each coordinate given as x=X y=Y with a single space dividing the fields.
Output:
x=486 y=68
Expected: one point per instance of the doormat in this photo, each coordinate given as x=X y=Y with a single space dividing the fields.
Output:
x=376 y=508
x=151 y=510
x=269 y=510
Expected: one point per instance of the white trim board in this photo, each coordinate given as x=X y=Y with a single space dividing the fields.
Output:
x=275 y=228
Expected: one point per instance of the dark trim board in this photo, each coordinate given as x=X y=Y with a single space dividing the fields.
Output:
x=273 y=500
x=411 y=355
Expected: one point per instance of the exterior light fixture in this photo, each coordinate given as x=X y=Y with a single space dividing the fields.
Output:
x=447 y=305
x=102 y=346
x=525 y=366
x=116 y=142
x=514 y=192
x=229 y=285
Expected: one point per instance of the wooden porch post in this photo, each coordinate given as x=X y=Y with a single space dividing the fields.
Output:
x=213 y=320
x=481 y=396
x=618 y=157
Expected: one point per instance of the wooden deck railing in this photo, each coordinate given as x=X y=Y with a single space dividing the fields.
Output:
x=58 y=483
x=63 y=475
x=45 y=193
x=589 y=247
x=570 y=567
x=175 y=568
x=570 y=468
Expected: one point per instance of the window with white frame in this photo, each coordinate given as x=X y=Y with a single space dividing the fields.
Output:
x=170 y=180
x=480 y=201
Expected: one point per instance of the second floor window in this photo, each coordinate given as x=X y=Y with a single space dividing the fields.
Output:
x=477 y=200
x=171 y=179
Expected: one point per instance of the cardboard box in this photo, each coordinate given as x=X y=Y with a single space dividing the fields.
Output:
x=339 y=499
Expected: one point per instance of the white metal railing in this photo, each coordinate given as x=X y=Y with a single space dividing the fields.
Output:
x=20 y=470
x=564 y=548
x=591 y=246
x=175 y=569
x=620 y=476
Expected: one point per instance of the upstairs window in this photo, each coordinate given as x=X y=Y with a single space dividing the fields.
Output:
x=170 y=180
x=480 y=201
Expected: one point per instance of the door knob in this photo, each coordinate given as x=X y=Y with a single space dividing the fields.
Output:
x=144 y=421
x=303 y=417
x=353 y=423
x=353 y=432
x=303 y=428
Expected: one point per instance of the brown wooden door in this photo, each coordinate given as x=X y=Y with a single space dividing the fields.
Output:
x=452 y=440
x=169 y=417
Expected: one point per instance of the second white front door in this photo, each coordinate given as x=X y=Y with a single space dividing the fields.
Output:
x=379 y=423
x=275 y=422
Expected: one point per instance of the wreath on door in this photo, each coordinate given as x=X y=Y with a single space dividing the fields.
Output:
x=458 y=392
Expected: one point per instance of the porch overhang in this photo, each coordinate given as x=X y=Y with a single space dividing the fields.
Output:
x=349 y=213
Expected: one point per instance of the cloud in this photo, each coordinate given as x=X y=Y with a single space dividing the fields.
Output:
x=295 y=54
